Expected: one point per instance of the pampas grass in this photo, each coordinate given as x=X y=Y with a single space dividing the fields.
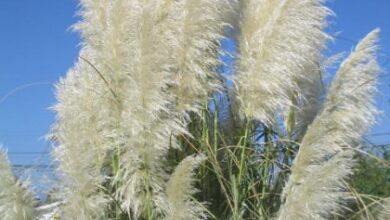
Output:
x=139 y=97
x=81 y=187
x=193 y=32
x=148 y=128
x=180 y=189
x=16 y=201
x=123 y=124
x=325 y=158
x=139 y=93
x=306 y=103
x=278 y=40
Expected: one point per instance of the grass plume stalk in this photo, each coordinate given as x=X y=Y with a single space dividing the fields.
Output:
x=277 y=41
x=111 y=124
x=316 y=186
x=193 y=31
x=82 y=177
x=16 y=201
x=180 y=191
x=120 y=97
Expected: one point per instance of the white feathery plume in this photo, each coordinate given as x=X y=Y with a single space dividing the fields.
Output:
x=16 y=202
x=119 y=98
x=277 y=41
x=381 y=211
x=180 y=191
x=307 y=103
x=146 y=123
x=81 y=150
x=92 y=98
x=87 y=110
x=316 y=186
x=193 y=30
x=114 y=101
x=176 y=79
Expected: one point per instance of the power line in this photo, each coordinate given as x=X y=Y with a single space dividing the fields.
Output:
x=27 y=153
x=33 y=166
x=378 y=134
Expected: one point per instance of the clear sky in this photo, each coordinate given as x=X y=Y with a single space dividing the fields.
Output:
x=36 y=49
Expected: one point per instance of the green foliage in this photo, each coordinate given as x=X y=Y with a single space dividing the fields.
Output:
x=247 y=163
x=370 y=183
x=372 y=176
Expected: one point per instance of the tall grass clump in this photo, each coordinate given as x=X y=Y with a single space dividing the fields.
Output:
x=149 y=127
x=142 y=66
x=16 y=201
x=325 y=157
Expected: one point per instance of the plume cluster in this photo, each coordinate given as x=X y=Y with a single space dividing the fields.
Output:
x=146 y=65
x=81 y=185
x=278 y=41
x=16 y=202
x=316 y=187
x=143 y=66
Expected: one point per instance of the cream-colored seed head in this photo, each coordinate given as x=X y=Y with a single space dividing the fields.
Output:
x=316 y=186
x=143 y=67
x=180 y=190
x=278 y=40
x=16 y=201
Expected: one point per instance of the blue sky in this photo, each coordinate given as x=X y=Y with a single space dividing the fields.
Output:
x=36 y=49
